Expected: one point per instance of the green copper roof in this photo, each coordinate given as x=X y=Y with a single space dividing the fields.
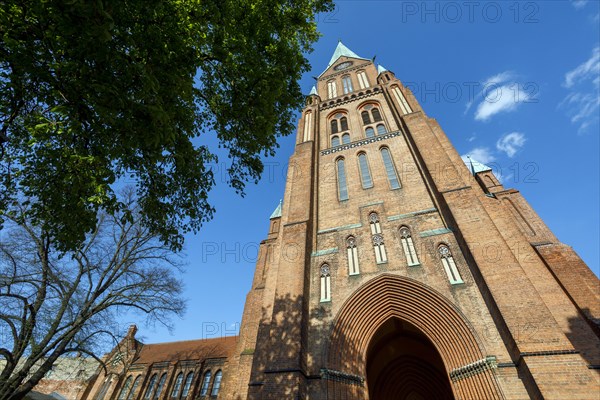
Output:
x=380 y=69
x=277 y=212
x=313 y=90
x=475 y=166
x=341 y=51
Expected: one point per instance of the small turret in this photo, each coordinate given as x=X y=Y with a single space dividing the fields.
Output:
x=313 y=97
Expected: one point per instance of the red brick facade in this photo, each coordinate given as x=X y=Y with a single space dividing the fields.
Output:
x=419 y=279
x=183 y=370
x=495 y=306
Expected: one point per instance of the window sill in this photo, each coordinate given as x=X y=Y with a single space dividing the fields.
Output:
x=414 y=265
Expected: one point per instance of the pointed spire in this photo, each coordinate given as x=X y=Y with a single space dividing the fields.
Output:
x=380 y=69
x=277 y=212
x=313 y=90
x=474 y=165
x=342 y=51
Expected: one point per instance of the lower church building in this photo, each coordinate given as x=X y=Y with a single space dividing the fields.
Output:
x=393 y=269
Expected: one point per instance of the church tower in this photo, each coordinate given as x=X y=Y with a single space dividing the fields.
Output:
x=393 y=269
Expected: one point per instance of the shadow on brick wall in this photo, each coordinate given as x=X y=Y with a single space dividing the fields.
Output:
x=282 y=366
x=584 y=334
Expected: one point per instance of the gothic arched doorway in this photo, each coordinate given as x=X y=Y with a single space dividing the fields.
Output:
x=387 y=297
x=403 y=364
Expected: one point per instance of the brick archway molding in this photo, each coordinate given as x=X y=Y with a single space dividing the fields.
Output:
x=388 y=296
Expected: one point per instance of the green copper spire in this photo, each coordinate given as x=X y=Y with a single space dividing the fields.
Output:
x=342 y=51
x=277 y=212
x=474 y=165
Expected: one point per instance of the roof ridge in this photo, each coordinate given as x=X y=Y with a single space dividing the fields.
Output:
x=192 y=340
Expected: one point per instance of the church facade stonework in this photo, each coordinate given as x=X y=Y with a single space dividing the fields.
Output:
x=395 y=269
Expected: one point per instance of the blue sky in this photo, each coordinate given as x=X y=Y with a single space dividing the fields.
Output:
x=514 y=84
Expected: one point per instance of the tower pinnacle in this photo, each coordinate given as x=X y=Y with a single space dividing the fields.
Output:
x=342 y=51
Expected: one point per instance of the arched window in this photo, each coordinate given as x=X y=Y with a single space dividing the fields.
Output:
x=379 y=247
x=376 y=114
x=371 y=113
x=344 y=123
x=338 y=123
x=334 y=126
x=160 y=386
x=205 y=383
x=187 y=384
x=449 y=265
x=404 y=107
x=325 y=283
x=341 y=179
x=177 y=385
x=125 y=389
x=345 y=138
x=365 y=117
x=136 y=383
x=390 y=169
x=307 y=126
x=362 y=79
x=381 y=129
x=369 y=132
x=347 y=84
x=365 y=174
x=217 y=383
x=374 y=223
x=408 y=246
x=352 y=256
x=150 y=387
x=335 y=141
x=331 y=89
x=102 y=392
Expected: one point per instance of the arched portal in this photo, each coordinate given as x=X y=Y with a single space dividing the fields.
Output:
x=388 y=297
x=403 y=364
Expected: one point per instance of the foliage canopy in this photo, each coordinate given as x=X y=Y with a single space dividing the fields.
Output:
x=96 y=91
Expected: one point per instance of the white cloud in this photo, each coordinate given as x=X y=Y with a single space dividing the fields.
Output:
x=582 y=108
x=468 y=106
x=579 y=4
x=499 y=79
x=590 y=69
x=481 y=154
x=499 y=99
x=511 y=143
x=582 y=103
x=499 y=93
x=489 y=84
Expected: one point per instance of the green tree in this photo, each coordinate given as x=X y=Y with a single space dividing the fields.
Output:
x=95 y=91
